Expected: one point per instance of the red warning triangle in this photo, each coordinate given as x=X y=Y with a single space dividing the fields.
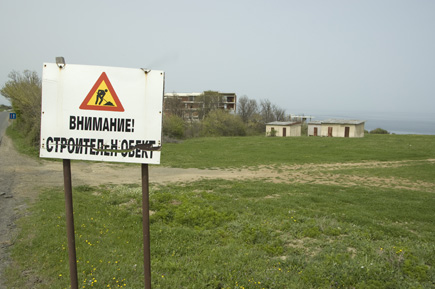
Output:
x=102 y=96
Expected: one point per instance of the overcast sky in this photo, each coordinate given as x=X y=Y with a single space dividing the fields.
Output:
x=305 y=56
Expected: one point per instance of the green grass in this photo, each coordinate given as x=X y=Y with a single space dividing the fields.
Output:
x=20 y=142
x=238 y=152
x=226 y=234
x=246 y=234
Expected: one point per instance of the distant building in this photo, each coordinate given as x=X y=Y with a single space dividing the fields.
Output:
x=283 y=128
x=301 y=118
x=190 y=105
x=314 y=128
x=337 y=128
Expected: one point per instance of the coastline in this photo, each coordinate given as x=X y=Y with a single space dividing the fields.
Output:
x=393 y=122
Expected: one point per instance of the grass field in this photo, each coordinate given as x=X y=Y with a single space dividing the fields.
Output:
x=258 y=233
x=235 y=152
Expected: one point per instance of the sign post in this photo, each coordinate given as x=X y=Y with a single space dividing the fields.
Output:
x=100 y=113
x=146 y=226
x=69 y=216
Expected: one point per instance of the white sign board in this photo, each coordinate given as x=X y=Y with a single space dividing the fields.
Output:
x=101 y=113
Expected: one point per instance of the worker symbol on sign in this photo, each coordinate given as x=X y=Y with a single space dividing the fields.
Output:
x=102 y=96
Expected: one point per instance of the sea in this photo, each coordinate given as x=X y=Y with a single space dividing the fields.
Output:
x=393 y=122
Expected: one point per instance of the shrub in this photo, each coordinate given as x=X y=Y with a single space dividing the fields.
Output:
x=379 y=131
x=4 y=107
x=221 y=123
x=193 y=129
x=173 y=126
x=255 y=126
x=272 y=132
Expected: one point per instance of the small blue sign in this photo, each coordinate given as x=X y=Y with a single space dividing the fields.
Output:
x=12 y=115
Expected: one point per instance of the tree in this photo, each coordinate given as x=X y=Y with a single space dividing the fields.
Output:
x=266 y=111
x=279 y=113
x=208 y=101
x=174 y=106
x=255 y=125
x=270 y=112
x=246 y=108
x=24 y=93
x=256 y=116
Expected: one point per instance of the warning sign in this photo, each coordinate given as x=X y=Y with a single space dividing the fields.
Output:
x=101 y=113
x=102 y=96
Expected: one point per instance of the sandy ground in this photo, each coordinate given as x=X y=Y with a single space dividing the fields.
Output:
x=22 y=177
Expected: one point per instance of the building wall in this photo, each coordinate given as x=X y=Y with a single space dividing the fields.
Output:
x=359 y=130
x=311 y=129
x=291 y=130
x=277 y=128
x=191 y=104
x=295 y=130
x=338 y=130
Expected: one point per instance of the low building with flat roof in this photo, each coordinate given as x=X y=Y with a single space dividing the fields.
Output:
x=283 y=128
x=314 y=128
x=342 y=127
